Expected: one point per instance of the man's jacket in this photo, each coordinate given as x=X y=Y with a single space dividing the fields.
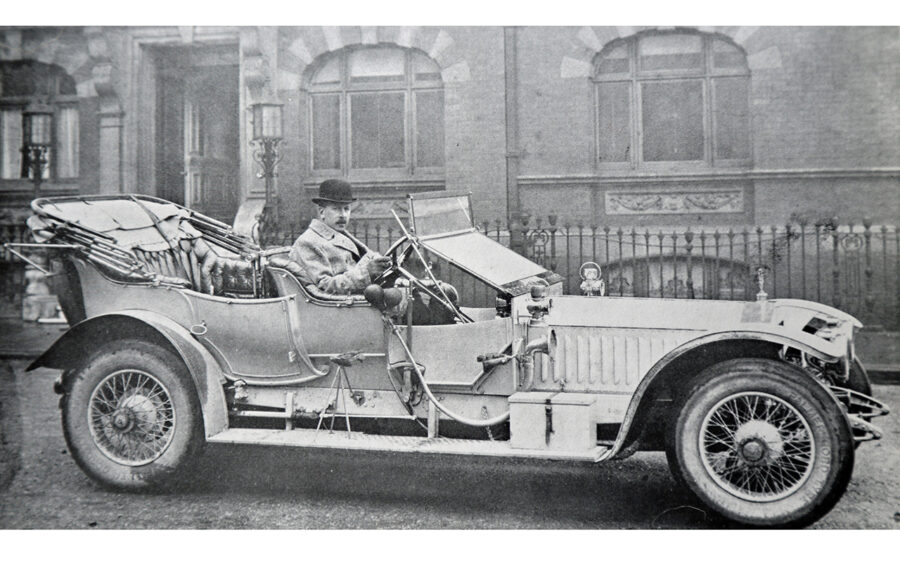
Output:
x=331 y=261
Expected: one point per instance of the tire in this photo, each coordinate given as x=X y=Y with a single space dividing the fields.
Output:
x=762 y=444
x=131 y=416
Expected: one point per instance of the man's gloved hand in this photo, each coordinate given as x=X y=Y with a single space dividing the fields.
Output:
x=377 y=265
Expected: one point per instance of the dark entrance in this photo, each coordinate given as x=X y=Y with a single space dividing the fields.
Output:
x=197 y=132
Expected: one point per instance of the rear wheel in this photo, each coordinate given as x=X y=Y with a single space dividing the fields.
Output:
x=761 y=444
x=131 y=416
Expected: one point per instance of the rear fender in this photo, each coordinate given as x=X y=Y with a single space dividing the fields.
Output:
x=81 y=340
x=681 y=364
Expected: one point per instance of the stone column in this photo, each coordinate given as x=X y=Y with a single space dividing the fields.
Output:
x=110 y=115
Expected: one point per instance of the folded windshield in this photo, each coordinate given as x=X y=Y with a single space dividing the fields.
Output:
x=441 y=214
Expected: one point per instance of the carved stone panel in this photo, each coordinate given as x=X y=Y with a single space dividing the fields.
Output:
x=674 y=202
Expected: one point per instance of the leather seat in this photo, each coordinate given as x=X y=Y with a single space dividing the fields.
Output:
x=197 y=266
x=286 y=263
x=280 y=260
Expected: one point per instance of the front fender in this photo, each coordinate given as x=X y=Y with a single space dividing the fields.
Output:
x=818 y=308
x=76 y=344
x=764 y=334
x=825 y=350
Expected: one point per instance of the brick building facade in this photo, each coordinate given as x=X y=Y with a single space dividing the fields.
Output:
x=613 y=126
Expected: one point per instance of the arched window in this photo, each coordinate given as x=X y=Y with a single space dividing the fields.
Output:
x=377 y=109
x=672 y=99
x=26 y=82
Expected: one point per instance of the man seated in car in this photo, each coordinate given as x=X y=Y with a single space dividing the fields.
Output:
x=333 y=260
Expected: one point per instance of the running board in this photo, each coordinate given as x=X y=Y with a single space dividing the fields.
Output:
x=342 y=440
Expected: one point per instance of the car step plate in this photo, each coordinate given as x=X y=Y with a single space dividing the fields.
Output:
x=305 y=438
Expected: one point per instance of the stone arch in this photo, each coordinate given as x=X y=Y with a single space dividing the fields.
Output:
x=588 y=41
x=71 y=53
x=76 y=52
x=299 y=47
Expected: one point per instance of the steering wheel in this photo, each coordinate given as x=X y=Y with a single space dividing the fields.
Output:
x=383 y=278
x=395 y=268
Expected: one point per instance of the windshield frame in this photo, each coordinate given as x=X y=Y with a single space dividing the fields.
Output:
x=435 y=196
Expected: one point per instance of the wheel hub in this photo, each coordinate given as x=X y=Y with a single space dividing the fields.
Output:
x=758 y=442
x=141 y=408
x=131 y=417
x=123 y=420
x=753 y=450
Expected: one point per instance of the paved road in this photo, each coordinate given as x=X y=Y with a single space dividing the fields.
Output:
x=255 y=487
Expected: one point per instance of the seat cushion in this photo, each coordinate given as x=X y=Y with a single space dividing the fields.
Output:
x=195 y=264
x=233 y=276
x=286 y=263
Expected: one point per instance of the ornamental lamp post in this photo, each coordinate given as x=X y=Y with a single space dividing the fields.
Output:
x=37 y=122
x=267 y=133
x=38 y=136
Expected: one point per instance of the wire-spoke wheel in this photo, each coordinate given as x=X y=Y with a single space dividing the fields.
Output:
x=761 y=443
x=757 y=446
x=131 y=416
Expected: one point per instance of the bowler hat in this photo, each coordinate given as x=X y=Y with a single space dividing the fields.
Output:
x=334 y=191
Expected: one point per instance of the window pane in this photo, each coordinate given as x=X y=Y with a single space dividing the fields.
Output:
x=672 y=114
x=377 y=65
x=67 y=139
x=376 y=127
x=11 y=144
x=425 y=69
x=727 y=56
x=614 y=120
x=671 y=52
x=615 y=61
x=429 y=128
x=326 y=131
x=732 y=117
x=330 y=74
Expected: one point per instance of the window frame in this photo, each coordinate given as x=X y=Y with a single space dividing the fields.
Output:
x=57 y=102
x=409 y=87
x=635 y=78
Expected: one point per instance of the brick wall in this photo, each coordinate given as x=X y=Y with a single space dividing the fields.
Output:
x=474 y=121
x=834 y=102
x=828 y=99
x=555 y=114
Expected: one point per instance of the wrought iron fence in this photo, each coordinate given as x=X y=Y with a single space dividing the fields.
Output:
x=854 y=267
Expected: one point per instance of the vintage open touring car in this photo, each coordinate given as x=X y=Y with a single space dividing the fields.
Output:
x=185 y=332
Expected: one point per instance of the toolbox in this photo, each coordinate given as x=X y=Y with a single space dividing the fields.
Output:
x=541 y=420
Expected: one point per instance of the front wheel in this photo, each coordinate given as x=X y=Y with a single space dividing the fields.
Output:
x=131 y=416
x=761 y=444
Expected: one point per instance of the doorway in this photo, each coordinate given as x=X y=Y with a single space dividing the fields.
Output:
x=197 y=130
